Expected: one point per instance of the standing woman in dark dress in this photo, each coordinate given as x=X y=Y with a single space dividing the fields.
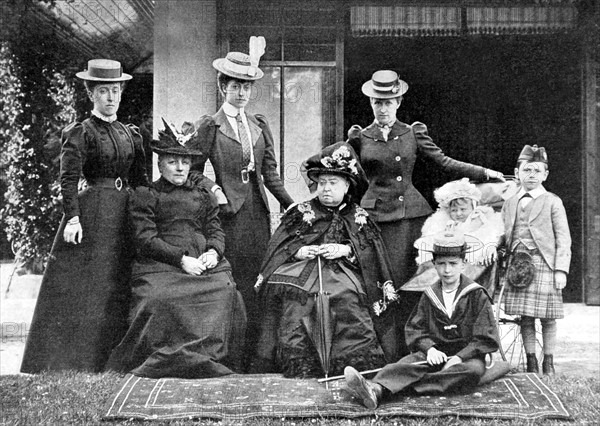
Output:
x=82 y=307
x=387 y=150
x=240 y=148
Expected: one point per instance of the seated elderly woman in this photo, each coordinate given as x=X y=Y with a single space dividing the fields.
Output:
x=188 y=319
x=328 y=240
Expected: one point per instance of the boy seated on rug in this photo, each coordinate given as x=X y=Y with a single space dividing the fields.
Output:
x=449 y=333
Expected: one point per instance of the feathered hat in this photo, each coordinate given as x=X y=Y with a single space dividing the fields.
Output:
x=174 y=142
x=241 y=66
x=338 y=159
x=456 y=189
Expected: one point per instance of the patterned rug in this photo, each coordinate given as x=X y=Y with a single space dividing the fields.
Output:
x=240 y=397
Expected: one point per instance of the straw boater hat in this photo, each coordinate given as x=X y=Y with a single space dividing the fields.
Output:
x=172 y=142
x=533 y=154
x=241 y=66
x=104 y=70
x=384 y=84
x=450 y=242
x=454 y=190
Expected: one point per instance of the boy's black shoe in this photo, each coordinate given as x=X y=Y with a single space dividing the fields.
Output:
x=532 y=364
x=548 y=365
x=367 y=392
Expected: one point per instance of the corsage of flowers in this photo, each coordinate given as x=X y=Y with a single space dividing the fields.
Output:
x=340 y=159
x=308 y=215
x=389 y=296
x=360 y=217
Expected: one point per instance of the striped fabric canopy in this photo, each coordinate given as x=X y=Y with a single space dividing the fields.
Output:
x=414 y=20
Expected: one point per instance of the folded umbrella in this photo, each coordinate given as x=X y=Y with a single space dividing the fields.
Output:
x=320 y=323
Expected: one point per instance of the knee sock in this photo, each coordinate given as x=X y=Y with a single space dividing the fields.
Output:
x=528 y=334
x=549 y=335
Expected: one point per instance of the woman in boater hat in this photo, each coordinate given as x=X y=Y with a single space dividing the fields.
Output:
x=81 y=312
x=387 y=150
x=240 y=147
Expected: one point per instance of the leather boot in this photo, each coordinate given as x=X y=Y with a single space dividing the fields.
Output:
x=548 y=365
x=532 y=364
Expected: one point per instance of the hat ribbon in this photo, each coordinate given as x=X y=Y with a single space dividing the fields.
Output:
x=392 y=86
x=105 y=72
x=238 y=68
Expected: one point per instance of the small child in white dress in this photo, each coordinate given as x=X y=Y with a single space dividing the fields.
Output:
x=459 y=209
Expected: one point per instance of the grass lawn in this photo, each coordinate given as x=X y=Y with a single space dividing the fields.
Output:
x=70 y=398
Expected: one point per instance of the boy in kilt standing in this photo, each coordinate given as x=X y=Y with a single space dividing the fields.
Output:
x=538 y=241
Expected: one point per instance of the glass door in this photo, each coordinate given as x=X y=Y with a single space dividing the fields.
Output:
x=299 y=104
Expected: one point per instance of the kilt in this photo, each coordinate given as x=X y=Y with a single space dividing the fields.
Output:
x=538 y=300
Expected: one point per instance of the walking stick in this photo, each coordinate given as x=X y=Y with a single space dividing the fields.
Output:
x=329 y=379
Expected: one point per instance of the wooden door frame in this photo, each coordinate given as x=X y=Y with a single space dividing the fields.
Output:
x=590 y=122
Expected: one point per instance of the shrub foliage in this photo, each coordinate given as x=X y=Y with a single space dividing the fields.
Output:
x=30 y=126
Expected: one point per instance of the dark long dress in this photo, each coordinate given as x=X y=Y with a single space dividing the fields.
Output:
x=81 y=311
x=182 y=325
x=353 y=287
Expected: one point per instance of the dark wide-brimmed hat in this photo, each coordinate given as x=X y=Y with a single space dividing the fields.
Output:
x=384 y=84
x=338 y=159
x=241 y=66
x=104 y=70
x=172 y=142
x=533 y=153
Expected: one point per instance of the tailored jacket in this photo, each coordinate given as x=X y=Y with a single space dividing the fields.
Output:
x=389 y=167
x=219 y=144
x=549 y=228
x=97 y=150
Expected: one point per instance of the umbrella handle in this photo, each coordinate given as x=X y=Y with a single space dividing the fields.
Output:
x=320 y=270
